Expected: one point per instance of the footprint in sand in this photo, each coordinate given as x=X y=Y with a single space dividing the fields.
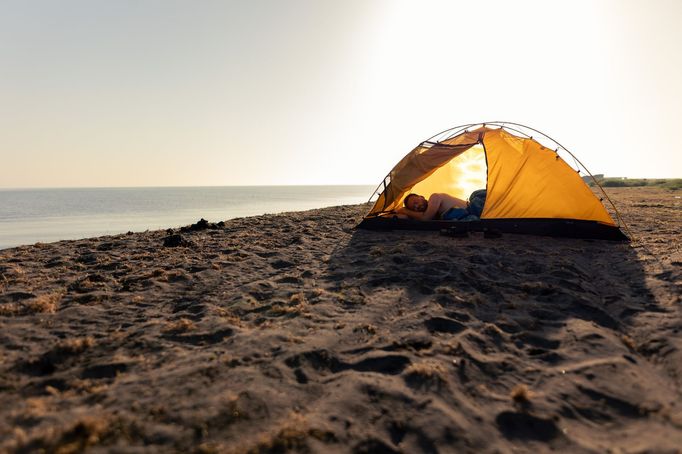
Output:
x=444 y=325
x=524 y=426
x=324 y=362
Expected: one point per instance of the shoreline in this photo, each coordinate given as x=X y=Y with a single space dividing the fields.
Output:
x=296 y=332
x=45 y=216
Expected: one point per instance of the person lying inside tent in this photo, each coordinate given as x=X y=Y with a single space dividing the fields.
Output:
x=443 y=207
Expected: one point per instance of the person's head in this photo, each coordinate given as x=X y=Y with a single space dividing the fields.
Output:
x=415 y=202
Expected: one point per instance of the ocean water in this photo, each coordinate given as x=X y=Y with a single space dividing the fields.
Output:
x=28 y=216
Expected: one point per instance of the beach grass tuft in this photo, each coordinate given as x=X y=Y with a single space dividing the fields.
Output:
x=521 y=396
x=74 y=346
x=425 y=375
x=628 y=342
x=46 y=303
x=178 y=326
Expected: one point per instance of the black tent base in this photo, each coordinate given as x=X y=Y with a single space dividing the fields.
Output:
x=568 y=228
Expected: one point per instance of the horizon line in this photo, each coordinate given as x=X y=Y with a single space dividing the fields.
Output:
x=14 y=188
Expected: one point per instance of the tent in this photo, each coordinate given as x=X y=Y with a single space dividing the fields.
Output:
x=530 y=187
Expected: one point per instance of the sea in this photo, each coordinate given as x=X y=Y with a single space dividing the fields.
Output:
x=28 y=216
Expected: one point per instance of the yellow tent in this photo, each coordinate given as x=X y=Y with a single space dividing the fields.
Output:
x=530 y=188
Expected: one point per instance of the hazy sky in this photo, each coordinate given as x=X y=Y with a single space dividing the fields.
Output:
x=173 y=93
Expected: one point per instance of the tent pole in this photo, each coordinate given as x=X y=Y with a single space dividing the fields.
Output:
x=451 y=129
x=375 y=191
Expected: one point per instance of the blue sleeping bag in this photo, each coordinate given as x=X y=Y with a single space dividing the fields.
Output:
x=473 y=210
x=476 y=202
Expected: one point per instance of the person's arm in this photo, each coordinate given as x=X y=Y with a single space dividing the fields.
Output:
x=429 y=214
x=405 y=213
x=434 y=205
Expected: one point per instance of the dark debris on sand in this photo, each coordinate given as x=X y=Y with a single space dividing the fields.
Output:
x=177 y=239
x=203 y=224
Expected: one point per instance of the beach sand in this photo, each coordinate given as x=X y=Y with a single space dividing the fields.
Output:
x=297 y=332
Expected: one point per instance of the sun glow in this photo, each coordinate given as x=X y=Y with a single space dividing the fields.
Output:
x=470 y=169
x=460 y=177
x=305 y=92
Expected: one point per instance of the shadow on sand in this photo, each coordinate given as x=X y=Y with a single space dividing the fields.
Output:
x=517 y=281
x=480 y=317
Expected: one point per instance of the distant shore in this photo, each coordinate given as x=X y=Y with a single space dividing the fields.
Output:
x=297 y=332
x=622 y=182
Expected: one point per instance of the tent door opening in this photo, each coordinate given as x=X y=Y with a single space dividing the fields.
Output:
x=459 y=177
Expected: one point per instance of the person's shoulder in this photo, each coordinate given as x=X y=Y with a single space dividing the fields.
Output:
x=447 y=196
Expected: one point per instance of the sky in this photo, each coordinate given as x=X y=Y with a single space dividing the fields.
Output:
x=274 y=92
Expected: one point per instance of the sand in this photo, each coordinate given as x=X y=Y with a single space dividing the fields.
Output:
x=297 y=332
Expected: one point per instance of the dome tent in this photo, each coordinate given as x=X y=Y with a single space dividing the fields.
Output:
x=530 y=188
